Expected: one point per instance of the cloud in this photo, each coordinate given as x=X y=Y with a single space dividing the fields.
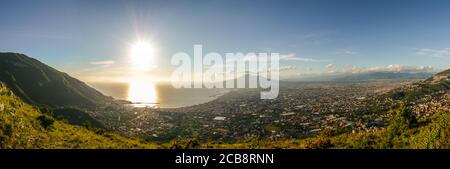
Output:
x=287 y=67
x=345 y=52
x=292 y=57
x=329 y=68
x=287 y=57
x=103 y=62
x=280 y=69
x=436 y=53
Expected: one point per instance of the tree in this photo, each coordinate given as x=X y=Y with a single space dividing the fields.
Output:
x=401 y=120
x=46 y=121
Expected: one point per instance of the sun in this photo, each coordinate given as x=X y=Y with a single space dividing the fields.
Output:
x=142 y=55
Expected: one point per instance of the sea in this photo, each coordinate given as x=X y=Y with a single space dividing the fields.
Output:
x=161 y=95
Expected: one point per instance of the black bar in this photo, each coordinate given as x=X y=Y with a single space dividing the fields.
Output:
x=281 y=158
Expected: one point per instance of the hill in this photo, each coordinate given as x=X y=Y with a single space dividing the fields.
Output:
x=51 y=90
x=444 y=73
x=384 y=75
x=24 y=126
x=433 y=87
x=39 y=84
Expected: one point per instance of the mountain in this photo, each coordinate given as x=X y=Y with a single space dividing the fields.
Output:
x=24 y=126
x=246 y=78
x=47 y=88
x=384 y=75
x=39 y=84
x=444 y=75
x=436 y=85
x=381 y=75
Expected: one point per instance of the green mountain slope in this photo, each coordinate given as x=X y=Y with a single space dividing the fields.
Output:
x=37 y=83
x=23 y=126
x=444 y=73
x=76 y=116
x=433 y=87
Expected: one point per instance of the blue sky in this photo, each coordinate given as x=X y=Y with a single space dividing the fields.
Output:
x=91 y=39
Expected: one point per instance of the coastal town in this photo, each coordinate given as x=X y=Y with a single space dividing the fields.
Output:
x=301 y=110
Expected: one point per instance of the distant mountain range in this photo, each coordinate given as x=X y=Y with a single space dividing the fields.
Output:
x=39 y=84
x=387 y=75
x=384 y=75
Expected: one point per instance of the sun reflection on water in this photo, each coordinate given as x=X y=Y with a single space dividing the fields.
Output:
x=142 y=93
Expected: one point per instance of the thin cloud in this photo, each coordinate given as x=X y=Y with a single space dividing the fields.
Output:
x=316 y=35
x=346 y=52
x=287 y=67
x=436 y=53
x=292 y=57
x=320 y=37
x=103 y=62
x=288 y=57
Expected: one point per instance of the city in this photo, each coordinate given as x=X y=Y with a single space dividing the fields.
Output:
x=303 y=109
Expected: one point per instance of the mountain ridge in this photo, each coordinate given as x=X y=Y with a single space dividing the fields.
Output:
x=38 y=83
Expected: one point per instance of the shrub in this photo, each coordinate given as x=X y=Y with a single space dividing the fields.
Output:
x=184 y=143
x=45 y=109
x=401 y=120
x=435 y=135
x=46 y=121
x=6 y=129
x=319 y=143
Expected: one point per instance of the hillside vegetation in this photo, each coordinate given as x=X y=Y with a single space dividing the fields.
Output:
x=51 y=90
x=24 y=126
x=39 y=84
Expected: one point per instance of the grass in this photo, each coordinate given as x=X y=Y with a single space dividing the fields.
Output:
x=23 y=126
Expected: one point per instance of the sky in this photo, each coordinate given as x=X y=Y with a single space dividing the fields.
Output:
x=91 y=40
